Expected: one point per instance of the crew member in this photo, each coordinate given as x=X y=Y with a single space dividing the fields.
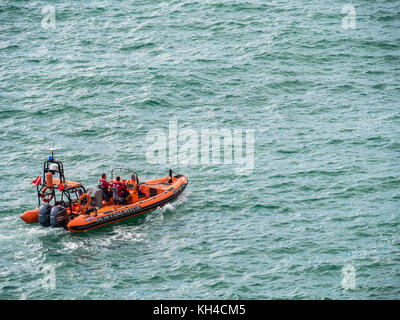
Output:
x=122 y=192
x=103 y=183
x=133 y=178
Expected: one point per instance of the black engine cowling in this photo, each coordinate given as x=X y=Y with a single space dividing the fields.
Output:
x=58 y=217
x=44 y=214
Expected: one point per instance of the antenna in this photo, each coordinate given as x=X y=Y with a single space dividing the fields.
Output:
x=51 y=158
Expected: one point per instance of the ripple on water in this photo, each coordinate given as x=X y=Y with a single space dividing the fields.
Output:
x=324 y=105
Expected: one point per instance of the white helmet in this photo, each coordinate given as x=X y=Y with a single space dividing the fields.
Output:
x=54 y=167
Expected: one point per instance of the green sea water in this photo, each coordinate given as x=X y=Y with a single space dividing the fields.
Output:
x=322 y=98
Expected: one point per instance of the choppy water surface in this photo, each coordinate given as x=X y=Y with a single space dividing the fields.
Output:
x=324 y=104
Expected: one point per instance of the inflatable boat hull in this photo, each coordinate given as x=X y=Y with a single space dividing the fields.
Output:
x=156 y=193
x=112 y=214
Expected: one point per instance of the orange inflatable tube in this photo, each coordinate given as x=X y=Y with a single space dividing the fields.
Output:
x=31 y=216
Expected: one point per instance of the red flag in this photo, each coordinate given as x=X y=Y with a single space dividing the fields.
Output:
x=61 y=186
x=37 y=181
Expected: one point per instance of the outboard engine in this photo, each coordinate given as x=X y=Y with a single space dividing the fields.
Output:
x=58 y=217
x=44 y=214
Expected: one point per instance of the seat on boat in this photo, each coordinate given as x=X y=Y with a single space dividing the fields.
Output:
x=106 y=197
x=116 y=197
x=95 y=196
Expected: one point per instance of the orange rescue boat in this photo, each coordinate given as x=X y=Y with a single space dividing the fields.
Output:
x=69 y=204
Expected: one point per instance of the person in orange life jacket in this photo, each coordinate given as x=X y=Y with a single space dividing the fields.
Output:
x=122 y=192
x=133 y=178
x=105 y=186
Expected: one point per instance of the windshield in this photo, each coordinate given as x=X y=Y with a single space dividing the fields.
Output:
x=123 y=173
